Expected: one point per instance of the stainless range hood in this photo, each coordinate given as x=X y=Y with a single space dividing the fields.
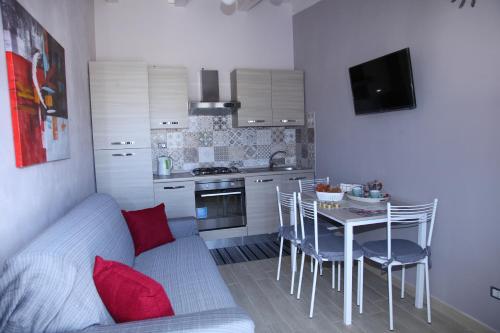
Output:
x=210 y=102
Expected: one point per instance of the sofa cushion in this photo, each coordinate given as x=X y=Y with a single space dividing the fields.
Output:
x=148 y=227
x=189 y=275
x=68 y=248
x=128 y=294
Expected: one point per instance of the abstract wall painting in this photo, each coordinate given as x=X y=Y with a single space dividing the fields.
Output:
x=37 y=88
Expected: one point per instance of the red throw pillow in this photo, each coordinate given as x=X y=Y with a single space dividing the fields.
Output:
x=149 y=228
x=128 y=294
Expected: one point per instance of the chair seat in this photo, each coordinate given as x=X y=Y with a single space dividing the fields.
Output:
x=288 y=231
x=403 y=251
x=331 y=248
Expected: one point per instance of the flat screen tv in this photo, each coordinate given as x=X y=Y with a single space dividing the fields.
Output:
x=383 y=84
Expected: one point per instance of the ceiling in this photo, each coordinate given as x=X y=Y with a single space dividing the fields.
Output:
x=246 y=5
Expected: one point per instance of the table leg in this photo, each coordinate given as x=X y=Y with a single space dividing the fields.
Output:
x=419 y=285
x=348 y=238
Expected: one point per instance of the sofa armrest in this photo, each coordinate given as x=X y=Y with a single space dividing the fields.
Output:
x=227 y=320
x=183 y=227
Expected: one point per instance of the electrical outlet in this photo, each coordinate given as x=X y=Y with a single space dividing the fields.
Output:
x=495 y=292
x=162 y=145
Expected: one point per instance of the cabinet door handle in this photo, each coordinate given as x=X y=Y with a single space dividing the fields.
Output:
x=123 y=155
x=173 y=187
x=169 y=123
x=256 y=121
x=224 y=194
x=284 y=121
x=122 y=143
x=264 y=180
x=297 y=178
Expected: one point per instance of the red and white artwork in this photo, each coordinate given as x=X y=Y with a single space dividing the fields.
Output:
x=37 y=88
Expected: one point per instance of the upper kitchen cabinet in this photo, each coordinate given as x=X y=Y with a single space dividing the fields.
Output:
x=252 y=88
x=120 y=105
x=168 y=97
x=287 y=97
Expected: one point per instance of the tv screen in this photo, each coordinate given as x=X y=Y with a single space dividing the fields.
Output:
x=383 y=84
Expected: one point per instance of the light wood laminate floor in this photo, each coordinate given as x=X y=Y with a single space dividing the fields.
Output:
x=273 y=309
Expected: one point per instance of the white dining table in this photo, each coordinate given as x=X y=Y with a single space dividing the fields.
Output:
x=350 y=219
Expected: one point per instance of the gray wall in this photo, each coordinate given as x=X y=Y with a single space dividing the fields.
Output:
x=447 y=148
x=34 y=197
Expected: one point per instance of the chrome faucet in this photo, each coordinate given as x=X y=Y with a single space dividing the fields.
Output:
x=271 y=163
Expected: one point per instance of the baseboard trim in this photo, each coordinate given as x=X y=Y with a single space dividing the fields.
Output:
x=459 y=316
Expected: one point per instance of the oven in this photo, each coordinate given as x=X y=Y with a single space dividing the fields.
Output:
x=220 y=204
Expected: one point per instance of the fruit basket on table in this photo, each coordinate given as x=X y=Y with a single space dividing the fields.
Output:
x=325 y=192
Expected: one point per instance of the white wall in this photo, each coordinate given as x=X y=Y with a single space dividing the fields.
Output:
x=34 y=197
x=196 y=36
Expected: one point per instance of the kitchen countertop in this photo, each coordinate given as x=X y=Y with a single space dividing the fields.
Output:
x=187 y=176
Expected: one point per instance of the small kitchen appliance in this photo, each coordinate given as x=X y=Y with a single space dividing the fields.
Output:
x=165 y=165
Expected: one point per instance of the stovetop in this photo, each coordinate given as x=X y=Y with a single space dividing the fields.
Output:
x=214 y=171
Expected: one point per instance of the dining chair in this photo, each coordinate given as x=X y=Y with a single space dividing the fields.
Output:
x=324 y=248
x=287 y=206
x=309 y=185
x=401 y=252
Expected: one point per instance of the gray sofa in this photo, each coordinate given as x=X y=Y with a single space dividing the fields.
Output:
x=48 y=287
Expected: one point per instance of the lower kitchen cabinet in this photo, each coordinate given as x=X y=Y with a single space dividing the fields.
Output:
x=125 y=174
x=290 y=183
x=178 y=198
x=214 y=235
x=262 y=217
x=261 y=199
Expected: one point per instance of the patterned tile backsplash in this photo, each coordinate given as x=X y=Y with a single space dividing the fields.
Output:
x=211 y=141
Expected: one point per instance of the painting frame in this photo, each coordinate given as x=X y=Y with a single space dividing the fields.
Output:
x=36 y=71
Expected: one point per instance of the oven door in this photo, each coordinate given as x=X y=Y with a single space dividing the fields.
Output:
x=220 y=209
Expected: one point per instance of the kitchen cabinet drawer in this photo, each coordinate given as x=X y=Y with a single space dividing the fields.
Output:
x=213 y=235
x=261 y=202
x=168 y=97
x=120 y=105
x=290 y=182
x=288 y=97
x=178 y=198
x=252 y=87
x=126 y=175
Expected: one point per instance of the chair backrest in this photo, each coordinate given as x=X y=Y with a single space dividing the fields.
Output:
x=309 y=185
x=309 y=211
x=287 y=204
x=425 y=213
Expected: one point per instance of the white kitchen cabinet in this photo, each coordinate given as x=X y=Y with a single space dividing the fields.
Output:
x=213 y=235
x=252 y=87
x=290 y=182
x=261 y=199
x=168 y=97
x=126 y=175
x=261 y=202
x=120 y=105
x=178 y=198
x=287 y=97
x=268 y=97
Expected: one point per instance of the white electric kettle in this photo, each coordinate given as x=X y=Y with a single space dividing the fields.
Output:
x=165 y=165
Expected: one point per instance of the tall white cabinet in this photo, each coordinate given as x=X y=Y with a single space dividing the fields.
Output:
x=121 y=131
x=168 y=97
